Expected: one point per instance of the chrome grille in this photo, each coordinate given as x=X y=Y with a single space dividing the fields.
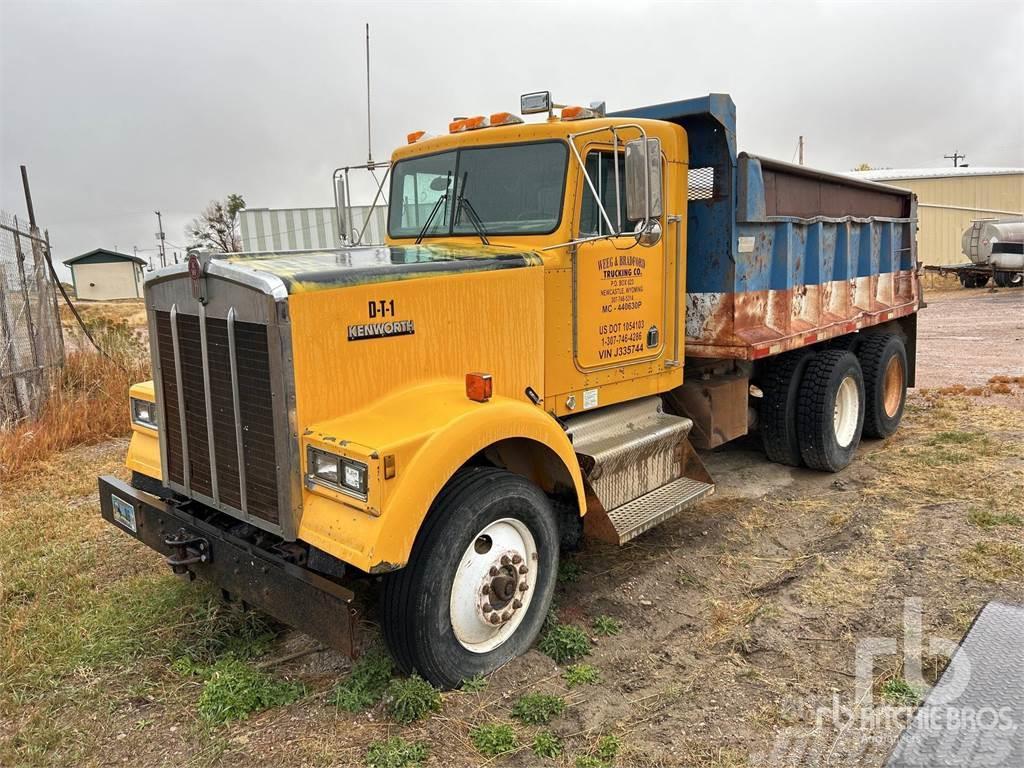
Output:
x=205 y=421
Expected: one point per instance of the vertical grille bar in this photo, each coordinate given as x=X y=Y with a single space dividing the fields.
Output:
x=233 y=355
x=186 y=470
x=209 y=405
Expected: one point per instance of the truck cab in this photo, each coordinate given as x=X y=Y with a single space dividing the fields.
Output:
x=561 y=311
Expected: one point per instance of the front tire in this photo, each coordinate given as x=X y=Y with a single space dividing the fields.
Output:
x=479 y=581
x=830 y=412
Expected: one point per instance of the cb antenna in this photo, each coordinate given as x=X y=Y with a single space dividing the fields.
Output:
x=369 y=138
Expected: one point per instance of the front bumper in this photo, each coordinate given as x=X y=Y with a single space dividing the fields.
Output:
x=288 y=592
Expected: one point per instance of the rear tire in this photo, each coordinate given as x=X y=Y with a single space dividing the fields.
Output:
x=883 y=360
x=482 y=516
x=781 y=388
x=1007 y=279
x=830 y=411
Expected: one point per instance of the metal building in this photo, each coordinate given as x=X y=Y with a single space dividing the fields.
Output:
x=101 y=274
x=292 y=229
x=949 y=199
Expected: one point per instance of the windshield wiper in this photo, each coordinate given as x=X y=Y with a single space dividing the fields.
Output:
x=473 y=217
x=442 y=199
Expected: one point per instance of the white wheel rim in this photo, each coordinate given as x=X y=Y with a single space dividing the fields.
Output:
x=847 y=409
x=493 y=585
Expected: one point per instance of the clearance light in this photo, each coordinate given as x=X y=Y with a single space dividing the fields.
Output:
x=479 y=387
x=415 y=136
x=505 y=118
x=467 y=124
x=577 y=113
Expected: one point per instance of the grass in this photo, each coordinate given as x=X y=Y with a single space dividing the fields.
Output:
x=493 y=739
x=410 y=699
x=898 y=691
x=546 y=744
x=565 y=643
x=606 y=626
x=581 y=674
x=995 y=561
x=396 y=752
x=538 y=708
x=235 y=689
x=569 y=572
x=366 y=684
x=987 y=518
x=89 y=402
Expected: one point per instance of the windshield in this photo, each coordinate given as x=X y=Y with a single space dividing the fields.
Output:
x=512 y=190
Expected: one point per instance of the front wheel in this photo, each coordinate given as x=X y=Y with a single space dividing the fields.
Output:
x=479 y=582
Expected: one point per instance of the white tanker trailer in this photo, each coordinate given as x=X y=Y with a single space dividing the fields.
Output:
x=995 y=248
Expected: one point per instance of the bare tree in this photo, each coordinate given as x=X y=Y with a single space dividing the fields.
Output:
x=217 y=226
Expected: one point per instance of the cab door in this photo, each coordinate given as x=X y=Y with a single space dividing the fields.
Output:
x=619 y=299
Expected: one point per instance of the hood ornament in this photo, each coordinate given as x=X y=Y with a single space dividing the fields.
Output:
x=197 y=274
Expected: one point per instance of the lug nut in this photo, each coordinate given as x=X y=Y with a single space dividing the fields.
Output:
x=506 y=615
x=517 y=559
x=523 y=569
x=517 y=603
x=494 y=618
x=505 y=560
x=523 y=587
x=493 y=571
x=487 y=589
x=487 y=607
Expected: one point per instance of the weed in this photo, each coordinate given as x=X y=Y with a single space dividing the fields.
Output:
x=411 y=699
x=608 y=747
x=366 y=685
x=900 y=692
x=474 y=684
x=581 y=674
x=606 y=626
x=565 y=643
x=538 y=708
x=589 y=761
x=235 y=689
x=569 y=571
x=396 y=753
x=493 y=739
x=995 y=561
x=546 y=744
x=986 y=518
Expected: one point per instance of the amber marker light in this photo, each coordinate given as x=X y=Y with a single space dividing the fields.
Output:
x=479 y=387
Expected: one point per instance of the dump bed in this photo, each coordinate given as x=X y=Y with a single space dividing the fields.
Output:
x=778 y=255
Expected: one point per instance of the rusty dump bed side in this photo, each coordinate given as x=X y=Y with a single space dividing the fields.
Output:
x=778 y=255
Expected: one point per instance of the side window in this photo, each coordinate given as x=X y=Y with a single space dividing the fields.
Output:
x=600 y=165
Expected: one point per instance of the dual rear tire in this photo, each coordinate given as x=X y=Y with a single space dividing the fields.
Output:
x=817 y=404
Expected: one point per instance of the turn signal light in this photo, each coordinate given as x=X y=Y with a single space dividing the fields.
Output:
x=467 y=124
x=505 y=118
x=415 y=136
x=577 y=113
x=479 y=387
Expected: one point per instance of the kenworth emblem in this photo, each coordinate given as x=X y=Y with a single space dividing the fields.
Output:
x=380 y=330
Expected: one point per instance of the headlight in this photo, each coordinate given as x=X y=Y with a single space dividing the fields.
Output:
x=143 y=413
x=336 y=472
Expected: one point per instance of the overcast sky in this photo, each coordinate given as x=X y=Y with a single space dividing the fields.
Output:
x=123 y=108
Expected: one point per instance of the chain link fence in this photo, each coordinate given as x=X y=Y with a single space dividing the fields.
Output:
x=31 y=343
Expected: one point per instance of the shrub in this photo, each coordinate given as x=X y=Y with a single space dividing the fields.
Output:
x=608 y=747
x=606 y=626
x=395 y=753
x=546 y=744
x=569 y=571
x=581 y=674
x=235 y=689
x=564 y=643
x=365 y=686
x=899 y=691
x=538 y=708
x=411 y=699
x=493 y=739
x=474 y=684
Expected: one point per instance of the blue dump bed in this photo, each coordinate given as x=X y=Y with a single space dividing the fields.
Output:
x=779 y=256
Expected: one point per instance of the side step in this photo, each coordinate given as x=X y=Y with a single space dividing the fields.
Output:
x=633 y=518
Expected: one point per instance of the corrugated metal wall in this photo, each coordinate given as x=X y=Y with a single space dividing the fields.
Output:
x=967 y=198
x=291 y=229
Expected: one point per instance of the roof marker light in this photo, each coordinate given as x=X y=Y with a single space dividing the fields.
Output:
x=467 y=124
x=505 y=118
x=415 y=136
x=577 y=113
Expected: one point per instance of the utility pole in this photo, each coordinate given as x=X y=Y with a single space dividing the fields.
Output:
x=956 y=157
x=369 y=138
x=801 y=150
x=160 y=239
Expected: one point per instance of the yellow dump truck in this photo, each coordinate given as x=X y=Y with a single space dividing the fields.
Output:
x=563 y=311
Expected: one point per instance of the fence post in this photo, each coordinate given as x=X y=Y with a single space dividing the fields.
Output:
x=28 y=316
x=56 y=304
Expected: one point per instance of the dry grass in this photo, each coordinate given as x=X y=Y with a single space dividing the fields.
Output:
x=88 y=405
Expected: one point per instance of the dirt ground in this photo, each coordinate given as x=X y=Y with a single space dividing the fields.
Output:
x=741 y=618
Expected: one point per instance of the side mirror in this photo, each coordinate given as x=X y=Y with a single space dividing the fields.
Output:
x=643 y=179
x=341 y=209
